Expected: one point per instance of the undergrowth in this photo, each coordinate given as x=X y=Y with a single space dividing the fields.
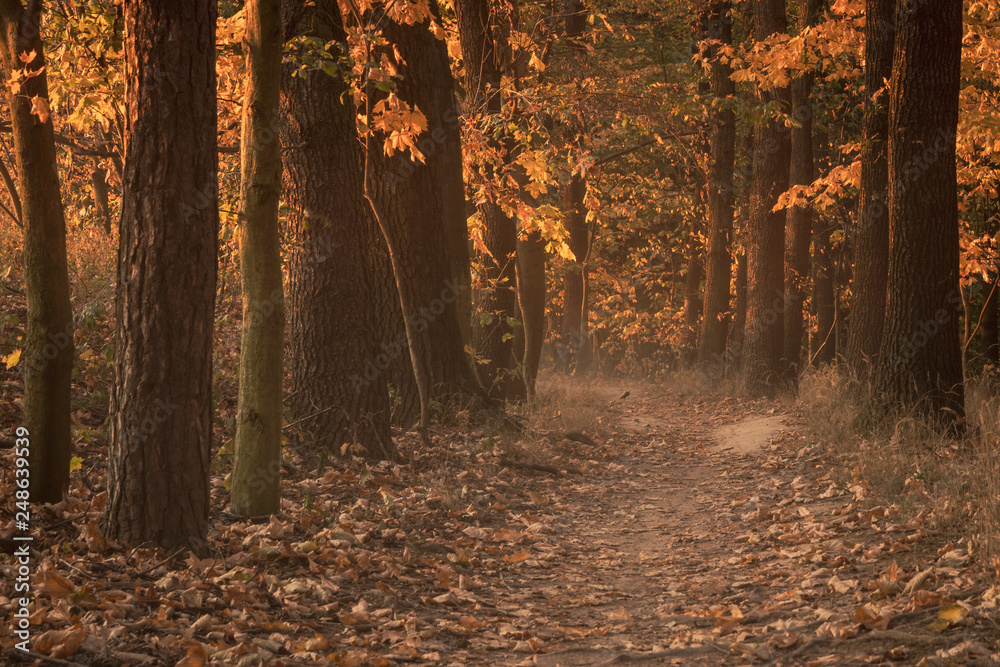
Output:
x=903 y=460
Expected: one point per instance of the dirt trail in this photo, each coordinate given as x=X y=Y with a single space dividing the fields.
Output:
x=718 y=538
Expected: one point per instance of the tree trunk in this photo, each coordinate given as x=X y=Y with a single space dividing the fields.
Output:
x=482 y=50
x=161 y=403
x=421 y=208
x=256 y=471
x=47 y=357
x=740 y=319
x=989 y=338
x=330 y=311
x=871 y=265
x=920 y=364
x=531 y=297
x=574 y=282
x=718 y=262
x=692 y=306
x=99 y=183
x=824 y=346
x=799 y=218
x=765 y=235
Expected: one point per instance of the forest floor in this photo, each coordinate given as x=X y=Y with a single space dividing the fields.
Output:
x=658 y=528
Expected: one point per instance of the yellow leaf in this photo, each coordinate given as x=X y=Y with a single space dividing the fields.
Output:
x=11 y=359
x=536 y=63
x=75 y=463
x=40 y=107
x=27 y=56
x=952 y=613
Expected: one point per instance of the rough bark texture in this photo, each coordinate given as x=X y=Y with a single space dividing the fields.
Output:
x=921 y=354
x=256 y=470
x=799 y=218
x=871 y=265
x=421 y=207
x=765 y=235
x=47 y=356
x=482 y=51
x=531 y=298
x=337 y=386
x=161 y=404
x=718 y=261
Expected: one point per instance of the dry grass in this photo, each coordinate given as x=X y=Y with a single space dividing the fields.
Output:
x=908 y=462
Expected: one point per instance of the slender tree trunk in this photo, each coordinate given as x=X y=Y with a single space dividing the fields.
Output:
x=531 y=297
x=331 y=314
x=921 y=354
x=692 y=306
x=740 y=318
x=824 y=347
x=421 y=207
x=256 y=472
x=871 y=266
x=799 y=218
x=99 y=183
x=718 y=262
x=161 y=403
x=764 y=333
x=47 y=357
x=988 y=330
x=574 y=281
x=483 y=50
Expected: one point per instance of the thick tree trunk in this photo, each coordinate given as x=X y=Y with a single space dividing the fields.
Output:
x=765 y=235
x=482 y=51
x=921 y=354
x=871 y=265
x=47 y=357
x=256 y=471
x=330 y=310
x=422 y=211
x=531 y=298
x=740 y=318
x=718 y=262
x=799 y=219
x=161 y=403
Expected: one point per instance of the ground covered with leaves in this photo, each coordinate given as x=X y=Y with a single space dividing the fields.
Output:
x=658 y=528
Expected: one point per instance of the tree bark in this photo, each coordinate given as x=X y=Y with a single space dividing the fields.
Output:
x=421 y=207
x=483 y=49
x=574 y=324
x=692 y=306
x=531 y=298
x=333 y=344
x=799 y=218
x=824 y=346
x=920 y=364
x=740 y=317
x=718 y=261
x=47 y=356
x=871 y=265
x=257 y=467
x=764 y=334
x=161 y=403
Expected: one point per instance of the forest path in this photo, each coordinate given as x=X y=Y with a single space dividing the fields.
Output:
x=718 y=537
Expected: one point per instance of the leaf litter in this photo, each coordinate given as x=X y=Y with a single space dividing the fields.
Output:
x=645 y=543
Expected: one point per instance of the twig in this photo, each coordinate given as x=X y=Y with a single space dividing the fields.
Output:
x=46 y=658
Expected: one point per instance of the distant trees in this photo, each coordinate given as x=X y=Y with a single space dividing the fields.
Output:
x=718 y=261
x=161 y=402
x=920 y=361
x=48 y=348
